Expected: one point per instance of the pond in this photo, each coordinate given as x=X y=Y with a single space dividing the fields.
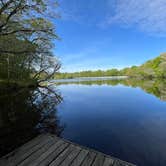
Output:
x=125 y=118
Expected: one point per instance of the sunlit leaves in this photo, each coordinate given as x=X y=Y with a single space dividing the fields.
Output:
x=26 y=35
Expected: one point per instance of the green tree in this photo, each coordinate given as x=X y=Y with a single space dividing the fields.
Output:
x=26 y=34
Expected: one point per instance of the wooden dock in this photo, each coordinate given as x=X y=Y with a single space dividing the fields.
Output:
x=49 y=150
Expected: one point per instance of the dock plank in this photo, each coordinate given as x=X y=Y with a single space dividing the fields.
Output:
x=36 y=154
x=121 y=163
x=108 y=162
x=49 y=150
x=22 y=153
x=99 y=160
x=79 y=159
x=62 y=156
x=71 y=156
x=89 y=159
x=26 y=146
x=53 y=155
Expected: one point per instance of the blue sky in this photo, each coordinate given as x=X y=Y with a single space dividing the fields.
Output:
x=104 y=34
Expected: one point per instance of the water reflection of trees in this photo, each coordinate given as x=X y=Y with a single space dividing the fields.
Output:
x=25 y=113
x=154 y=87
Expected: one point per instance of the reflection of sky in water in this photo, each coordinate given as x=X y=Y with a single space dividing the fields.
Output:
x=125 y=118
x=125 y=122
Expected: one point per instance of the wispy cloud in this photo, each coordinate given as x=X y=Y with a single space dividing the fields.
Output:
x=69 y=11
x=89 y=12
x=146 y=15
x=85 y=58
x=90 y=59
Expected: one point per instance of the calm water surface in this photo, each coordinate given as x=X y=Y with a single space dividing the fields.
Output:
x=125 y=122
x=122 y=118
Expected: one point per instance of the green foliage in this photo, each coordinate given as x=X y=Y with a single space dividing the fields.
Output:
x=26 y=34
x=152 y=68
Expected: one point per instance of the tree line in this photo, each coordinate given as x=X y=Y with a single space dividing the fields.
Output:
x=151 y=69
x=26 y=35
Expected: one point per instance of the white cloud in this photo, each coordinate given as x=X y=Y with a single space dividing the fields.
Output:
x=86 y=12
x=147 y=15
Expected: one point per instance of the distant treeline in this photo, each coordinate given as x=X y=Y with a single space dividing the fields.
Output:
x=151 y=69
